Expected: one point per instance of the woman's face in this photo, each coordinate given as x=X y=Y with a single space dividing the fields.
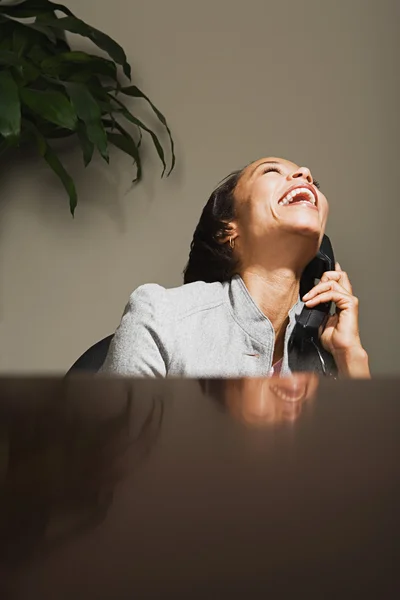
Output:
x=265 y=211
x=270 y=401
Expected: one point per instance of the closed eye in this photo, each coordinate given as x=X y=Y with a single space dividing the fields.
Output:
x=269 y=169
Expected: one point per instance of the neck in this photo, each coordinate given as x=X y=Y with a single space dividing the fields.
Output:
x=275 y=291
x=272 y=276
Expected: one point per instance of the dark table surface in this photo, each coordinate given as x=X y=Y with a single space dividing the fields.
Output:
x=276 y=488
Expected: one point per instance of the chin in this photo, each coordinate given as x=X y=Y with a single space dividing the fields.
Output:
x=310 y=230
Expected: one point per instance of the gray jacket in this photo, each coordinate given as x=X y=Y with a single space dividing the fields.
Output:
x=201 y=330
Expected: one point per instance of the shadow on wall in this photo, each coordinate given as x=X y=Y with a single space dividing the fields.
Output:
x=101 y=187
x=44 y=195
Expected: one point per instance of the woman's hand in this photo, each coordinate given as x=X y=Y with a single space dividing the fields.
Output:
x=341 y=336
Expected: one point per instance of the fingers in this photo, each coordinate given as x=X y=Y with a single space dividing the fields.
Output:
x=342 y=301
x=341 y=329
x=330 y=291
x=324 y=286
x=340 y=276
x=344 y=279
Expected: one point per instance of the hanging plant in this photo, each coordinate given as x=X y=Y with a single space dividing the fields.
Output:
x=48 y=91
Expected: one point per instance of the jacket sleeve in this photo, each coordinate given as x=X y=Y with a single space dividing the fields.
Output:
x=138 y=346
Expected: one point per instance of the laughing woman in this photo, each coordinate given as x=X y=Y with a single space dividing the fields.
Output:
x=234 y=315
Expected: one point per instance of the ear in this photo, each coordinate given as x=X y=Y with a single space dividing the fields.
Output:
x=230 y=231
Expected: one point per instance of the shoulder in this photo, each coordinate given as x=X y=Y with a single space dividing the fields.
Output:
x=175 y=303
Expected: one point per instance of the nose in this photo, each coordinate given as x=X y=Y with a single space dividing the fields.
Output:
x=302 y=173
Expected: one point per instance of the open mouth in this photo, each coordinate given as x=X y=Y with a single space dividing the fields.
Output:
x=299 y=195
x=292 y=393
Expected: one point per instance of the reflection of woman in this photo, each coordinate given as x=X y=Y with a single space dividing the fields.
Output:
x=61 y=458
x=266 y=401
x=258 y=231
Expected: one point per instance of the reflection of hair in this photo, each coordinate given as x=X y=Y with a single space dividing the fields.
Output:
x=215 y=390
x=60 y=471
x=209 y=259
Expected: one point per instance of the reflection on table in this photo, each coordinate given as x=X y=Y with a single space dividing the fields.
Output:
x=279 y=487
x=262 y=402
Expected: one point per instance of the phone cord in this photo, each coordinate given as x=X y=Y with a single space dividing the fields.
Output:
x=321 y=358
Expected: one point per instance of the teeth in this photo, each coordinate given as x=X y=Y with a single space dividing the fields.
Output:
x=282 y=394
x=298 y=191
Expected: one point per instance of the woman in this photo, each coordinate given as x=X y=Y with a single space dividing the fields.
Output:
x=263 y=402
x=236 y=312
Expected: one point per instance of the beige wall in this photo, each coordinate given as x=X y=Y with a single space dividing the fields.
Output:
x=312 y=81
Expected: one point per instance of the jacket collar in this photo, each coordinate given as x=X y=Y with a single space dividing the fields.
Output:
x=248 y=315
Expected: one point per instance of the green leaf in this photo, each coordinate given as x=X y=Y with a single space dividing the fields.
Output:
x=51 y=106
x=86 y=145
x=102 y=41
x=94 y=64
x=26 y=70
x=37 y=54
x=31 y=28
x=135 y=92
x=55 y=164
x=51 y=131
x=43 y=30
x=10 y=108
x=130 y=117
x=9 y=58
x=113 y=124
x=20 y=41
x=103 y=100
x=36 y=28
x=32 y=31
x=61 y=43
x=140 y=137
x=32 y=8
x=89 y=112
x=126 y=143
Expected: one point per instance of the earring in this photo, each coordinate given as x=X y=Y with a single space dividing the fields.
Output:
x=232 y=242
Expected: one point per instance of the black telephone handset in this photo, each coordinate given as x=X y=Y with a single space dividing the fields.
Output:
x=310 y=320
